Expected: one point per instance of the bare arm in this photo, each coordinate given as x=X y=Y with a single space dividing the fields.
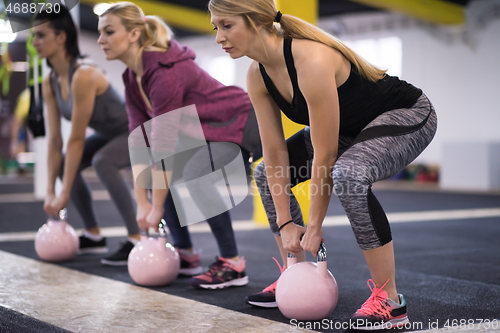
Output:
x=14 y=137
x=55 y=142
x=84 y=87
x=274 y=148
x=84 y=90
x=318 y=85
x=275 y=154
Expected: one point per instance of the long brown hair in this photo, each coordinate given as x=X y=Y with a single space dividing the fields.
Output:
x=263 y=12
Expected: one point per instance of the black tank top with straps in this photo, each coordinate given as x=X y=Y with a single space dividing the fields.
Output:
x=360 y=100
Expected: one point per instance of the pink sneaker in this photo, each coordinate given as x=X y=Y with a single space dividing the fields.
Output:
x=267 y=297
x=190 y=263
x=222 y=274
x=379 y=311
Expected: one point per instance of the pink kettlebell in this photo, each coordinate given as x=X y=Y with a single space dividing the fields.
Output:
x=154 y=262
x=56 y=240
x=307 y=290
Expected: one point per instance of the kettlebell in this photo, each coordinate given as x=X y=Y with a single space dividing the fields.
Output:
x=307 y=290
x=56 y=240
x=153 y=261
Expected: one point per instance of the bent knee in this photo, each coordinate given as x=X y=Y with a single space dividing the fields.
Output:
x=350 y=184
x=101 y=162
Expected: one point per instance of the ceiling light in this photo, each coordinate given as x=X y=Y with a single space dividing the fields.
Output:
x=6 y=34
x=101 y=8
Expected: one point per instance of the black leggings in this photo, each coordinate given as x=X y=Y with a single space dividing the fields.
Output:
x=384 y=148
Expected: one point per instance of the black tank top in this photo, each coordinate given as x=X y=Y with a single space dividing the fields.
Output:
x=360 y=100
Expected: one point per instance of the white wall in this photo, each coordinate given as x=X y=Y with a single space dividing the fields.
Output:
x=462 y=83
x=460 y=79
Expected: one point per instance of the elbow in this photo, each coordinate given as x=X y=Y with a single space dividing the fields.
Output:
x=327 y=159
x=273 y=153
x=273 y=148
x=332 y=157
x=76 y=140
x=56 y=143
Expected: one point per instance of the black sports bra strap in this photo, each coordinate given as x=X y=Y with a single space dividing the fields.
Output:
x=297 y=110
x=72 y=68
x=268 y=82
x=90 y=63
x=263 y=73
x=290 y=65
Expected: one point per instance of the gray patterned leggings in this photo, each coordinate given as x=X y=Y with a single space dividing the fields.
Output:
x=384 y=148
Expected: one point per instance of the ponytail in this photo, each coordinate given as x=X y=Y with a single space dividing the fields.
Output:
x=156 y=33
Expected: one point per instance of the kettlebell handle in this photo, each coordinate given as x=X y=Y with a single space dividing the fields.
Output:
x=61 y=216
x=161 y=229
x=321 y=253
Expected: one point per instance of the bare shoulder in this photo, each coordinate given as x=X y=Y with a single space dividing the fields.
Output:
x=87 y=68
x=314 y=53
x=88 y=63
x=253 y=70
x=47 y=90
x=89 y=75
x=46 y=81
x=85 y=72
x=254 y=77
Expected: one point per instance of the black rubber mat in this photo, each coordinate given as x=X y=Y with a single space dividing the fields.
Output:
x=15 y=322
x=16 y=188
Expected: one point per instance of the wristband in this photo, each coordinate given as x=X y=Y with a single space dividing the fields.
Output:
x=284 y=224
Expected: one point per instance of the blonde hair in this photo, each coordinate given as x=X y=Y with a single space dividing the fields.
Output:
x=263 y=12
x=154 y=32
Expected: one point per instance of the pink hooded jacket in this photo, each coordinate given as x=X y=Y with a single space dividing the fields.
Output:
x=172 y=80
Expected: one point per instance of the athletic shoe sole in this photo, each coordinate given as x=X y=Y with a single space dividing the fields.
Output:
x=191 y=271
x=114 y=263
x=264 y=304
x=233 y=283
x=94 y=250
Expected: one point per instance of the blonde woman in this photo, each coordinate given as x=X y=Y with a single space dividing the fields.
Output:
x=161 y=76
x=362 y=126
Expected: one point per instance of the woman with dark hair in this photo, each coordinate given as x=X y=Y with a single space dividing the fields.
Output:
x=81 y=93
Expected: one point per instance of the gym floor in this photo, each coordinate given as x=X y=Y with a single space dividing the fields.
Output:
x=447 y=247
